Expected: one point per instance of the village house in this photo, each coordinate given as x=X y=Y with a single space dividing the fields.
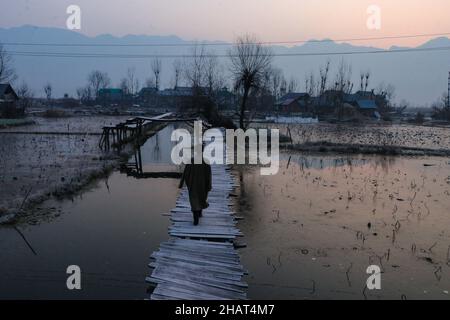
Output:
x=181 y=97
x=9 y=102
x=366 y=102
x=293 y=102
x=328 y=102
x=333 y=104
x=110 y=95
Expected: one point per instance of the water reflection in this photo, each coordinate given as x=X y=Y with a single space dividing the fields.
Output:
x=313 y=229
x=109 y=231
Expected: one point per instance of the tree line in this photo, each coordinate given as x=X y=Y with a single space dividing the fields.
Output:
x=249 y=73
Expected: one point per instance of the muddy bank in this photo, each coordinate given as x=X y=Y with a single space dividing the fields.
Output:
x=36 y=167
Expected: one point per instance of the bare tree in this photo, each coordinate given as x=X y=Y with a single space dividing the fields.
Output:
x=214 y=79
x=283 y=86
x=441 y=108
x=202 y=71
x=133 y=81
x=156 y=68
x=292 y=85
x=84 y=93
x=48 y=91
x=276 y=75
x=7 y=73
x=177 y=72
x=194 y=68
x=25 y=96
x=80 y=94
x=386 y=90
x=324 y=77
x=124 y=85
x=249 y=60
x=98 y=80
x=367 y=76
x=361 y=77
x=311 y=85
x=343 y=78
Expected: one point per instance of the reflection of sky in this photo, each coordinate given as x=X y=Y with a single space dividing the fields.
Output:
x=157 y=149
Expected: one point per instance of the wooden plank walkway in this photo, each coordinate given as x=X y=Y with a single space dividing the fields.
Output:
x=200 y=262
x=125 y=132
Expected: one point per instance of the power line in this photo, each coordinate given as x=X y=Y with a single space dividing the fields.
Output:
x=190 y=44
x=187 y=56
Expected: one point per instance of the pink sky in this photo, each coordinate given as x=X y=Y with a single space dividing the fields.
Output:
x=271 y=20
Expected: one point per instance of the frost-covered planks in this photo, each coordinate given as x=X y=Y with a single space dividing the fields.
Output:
x=218 y=221
x=200 y=262
x=197 y=270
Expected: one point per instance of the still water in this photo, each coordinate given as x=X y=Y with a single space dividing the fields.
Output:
x=313 y=229
x=109 y=232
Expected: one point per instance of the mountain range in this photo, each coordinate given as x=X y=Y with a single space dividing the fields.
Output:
x=419 y=77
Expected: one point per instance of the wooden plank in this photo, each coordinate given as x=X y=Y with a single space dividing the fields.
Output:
x=201 y=262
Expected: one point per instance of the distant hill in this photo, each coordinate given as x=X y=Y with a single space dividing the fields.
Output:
x=419 y=77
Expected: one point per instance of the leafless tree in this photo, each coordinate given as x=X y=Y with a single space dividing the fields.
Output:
x=367 y=77
x=361 y=77
x=203 y=73
x=7 y=73
x=25 y=95
x=98 y=80
x=276 y=76
x=324 y=77
x=441 y=108
x=132 y=81
x=343 y=77
x=194 y=68
x=80 y=93
x=311 y=85
x=84 y=93
x=214 y=79
x=249 y=60
x=386 y=90
x=156 y=69
x=292 y=85
x=124 y=85
x=48 y=91
x=177 y=71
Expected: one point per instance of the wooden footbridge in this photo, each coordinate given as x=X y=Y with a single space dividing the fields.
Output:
x=125 y=132
x=200 y=262
x=134 y=129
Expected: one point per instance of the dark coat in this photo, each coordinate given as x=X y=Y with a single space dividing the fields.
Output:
x=199 y=182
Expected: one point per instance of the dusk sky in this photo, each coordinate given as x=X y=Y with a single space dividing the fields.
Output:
x=270 y=20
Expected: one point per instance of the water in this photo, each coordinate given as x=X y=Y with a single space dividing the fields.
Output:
x=313 y=229
x=109 y=231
